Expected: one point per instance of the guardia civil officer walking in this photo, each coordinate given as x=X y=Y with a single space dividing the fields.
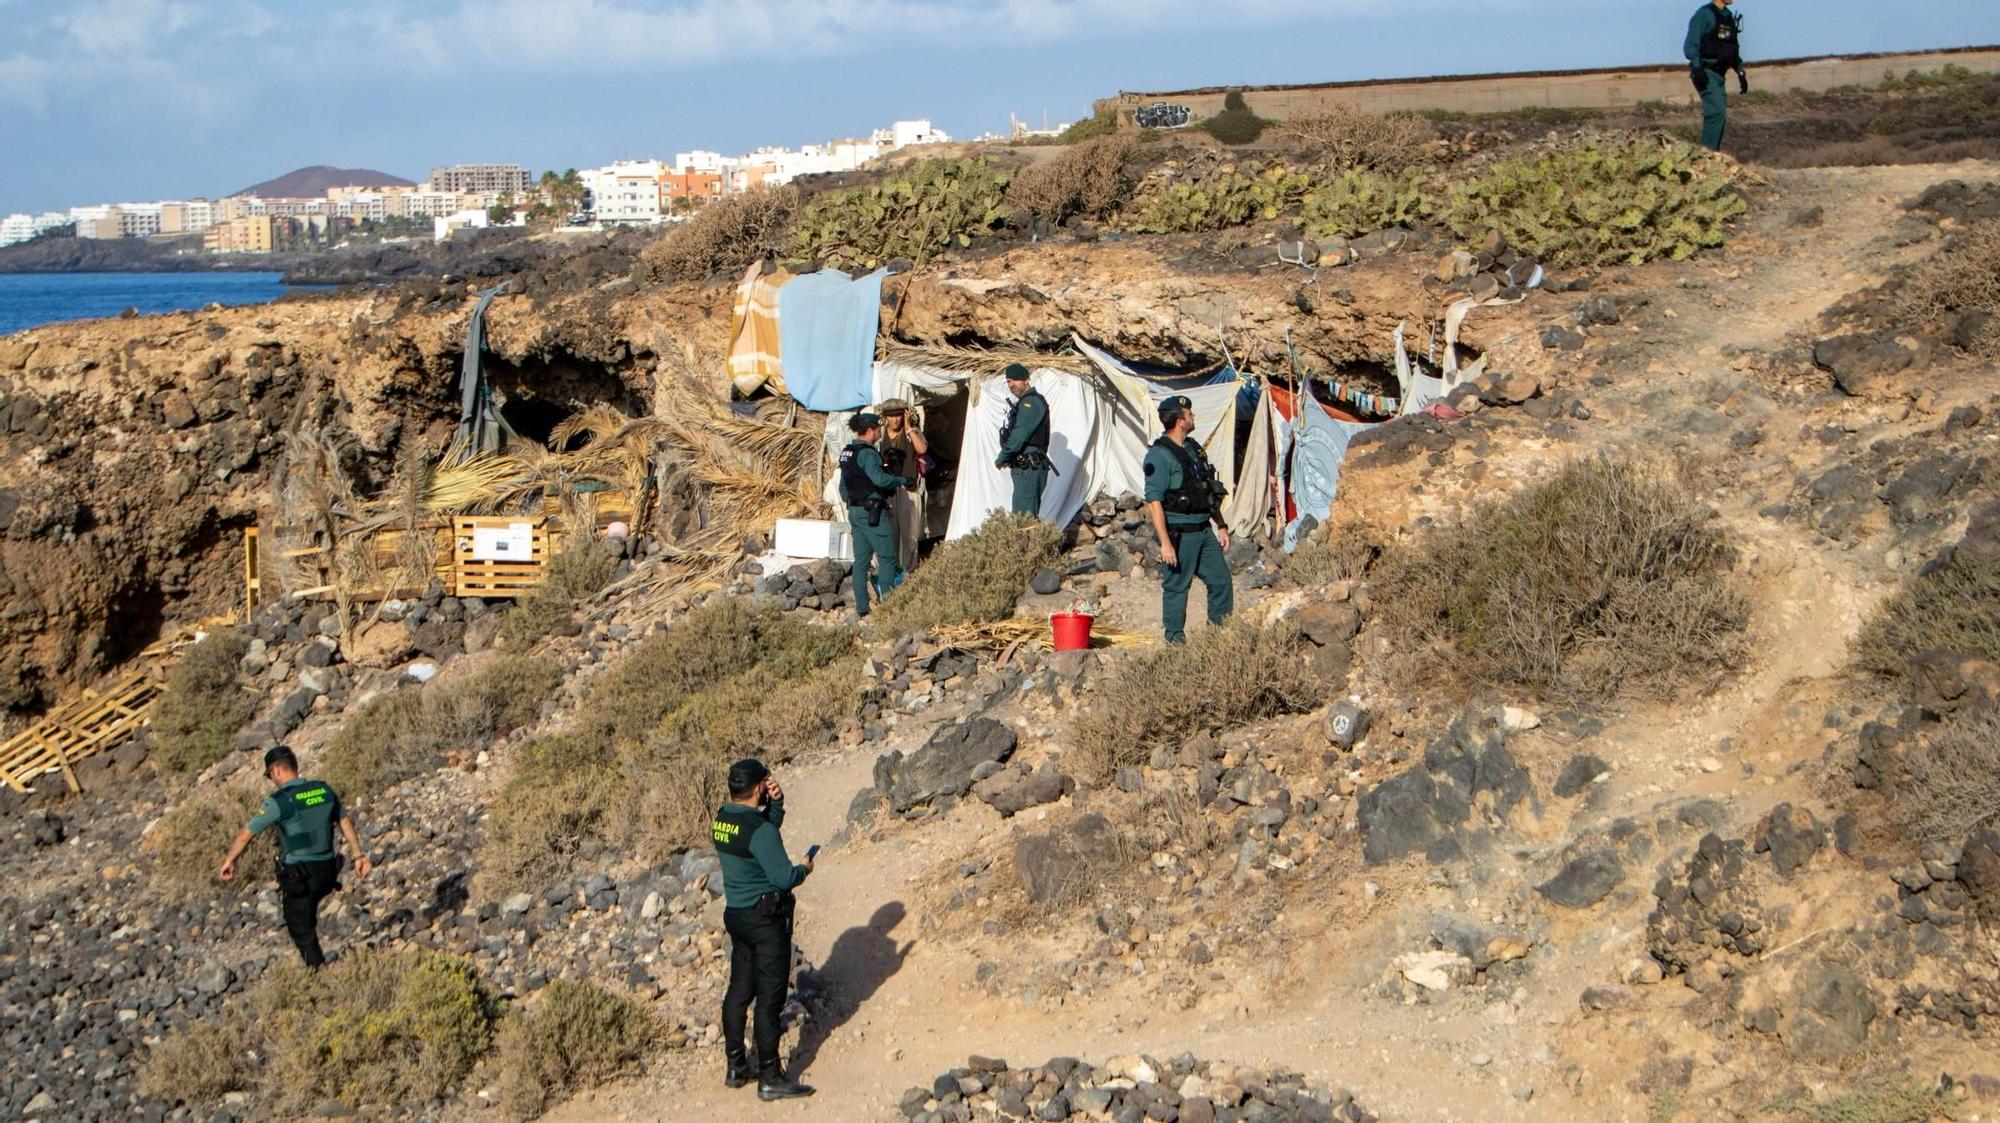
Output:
x=306 y=813
x=757 y=882
x=1184 y=497
x=1713 y=48
x=1024 y=442
x=866 y=487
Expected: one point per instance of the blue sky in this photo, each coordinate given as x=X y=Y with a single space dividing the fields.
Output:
x=102 y=100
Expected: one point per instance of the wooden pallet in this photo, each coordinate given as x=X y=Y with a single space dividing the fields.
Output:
x=479 y=577
x=78 y=729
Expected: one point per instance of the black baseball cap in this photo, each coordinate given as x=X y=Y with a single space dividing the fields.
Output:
x=746 y=774
x=1172 y=405
x=1015 y=372
x=280 y=755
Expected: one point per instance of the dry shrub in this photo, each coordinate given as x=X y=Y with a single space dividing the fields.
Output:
x=407 y=733
x=1950 y=607
x=205 y=704
x=186 y=845
x=726 y=235
x=975 y=578
x=1354 y=138
x=1221 y=678
x=1956 y=288
x=575 y=1036
x=1334 y=553
x=1603 y=579
x=201 y=1064
x=559 y=799
x=1087 y=180
x=374 y=1027
x=574 y=576
x=1954 y=785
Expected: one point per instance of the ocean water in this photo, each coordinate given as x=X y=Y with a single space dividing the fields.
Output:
x=32 y=299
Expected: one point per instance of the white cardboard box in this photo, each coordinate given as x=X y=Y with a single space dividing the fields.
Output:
x=814 y=538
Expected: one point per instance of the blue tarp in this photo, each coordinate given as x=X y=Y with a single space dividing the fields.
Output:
x=1318 y=451
x=826 y=338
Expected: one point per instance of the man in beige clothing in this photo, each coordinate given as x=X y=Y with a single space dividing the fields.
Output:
x=901 y=446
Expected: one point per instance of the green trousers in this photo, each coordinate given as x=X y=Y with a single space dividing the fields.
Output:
x=1200 y=556
x=873 y=543
x=1028 y=485
x=1715 y=110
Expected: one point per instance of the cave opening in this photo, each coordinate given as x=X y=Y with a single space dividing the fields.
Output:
x=536 y=396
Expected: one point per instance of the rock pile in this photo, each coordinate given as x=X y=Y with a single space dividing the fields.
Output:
x=1129 y=1089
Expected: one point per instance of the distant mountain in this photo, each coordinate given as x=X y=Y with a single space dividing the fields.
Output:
x=309 y=182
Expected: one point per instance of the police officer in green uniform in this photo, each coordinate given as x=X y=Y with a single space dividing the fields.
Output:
x=1184 y=496
x=757 y=882
x=1024 y=442
x=306 y=813
x=1713 y=49
x=867 y=487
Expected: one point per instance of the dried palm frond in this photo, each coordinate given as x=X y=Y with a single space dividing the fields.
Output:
x=973 y=361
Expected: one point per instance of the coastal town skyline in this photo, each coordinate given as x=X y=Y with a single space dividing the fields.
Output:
x=233 y=91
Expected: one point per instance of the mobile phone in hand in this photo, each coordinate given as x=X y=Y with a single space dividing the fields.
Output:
x=812 y=851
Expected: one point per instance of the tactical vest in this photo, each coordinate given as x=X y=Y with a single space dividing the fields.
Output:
x=1200 y=493
x=307 y=811
x=855 y=486
x=1038 y=440
x=1720 y=48
x=732 y=828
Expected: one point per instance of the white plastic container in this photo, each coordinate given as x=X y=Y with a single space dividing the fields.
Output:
x=813 y=538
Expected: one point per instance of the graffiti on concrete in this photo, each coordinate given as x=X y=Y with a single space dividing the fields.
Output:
x=1162 y=115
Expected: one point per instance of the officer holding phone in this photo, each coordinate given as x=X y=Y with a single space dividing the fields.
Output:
x=757 y=882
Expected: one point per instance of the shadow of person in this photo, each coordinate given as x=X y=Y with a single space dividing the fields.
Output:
x=861 y=960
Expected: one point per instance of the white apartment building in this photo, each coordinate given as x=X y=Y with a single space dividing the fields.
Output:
x=94 y=221
x=626 y=192
x=16 y=228
x=138 y=220
x=903 y=134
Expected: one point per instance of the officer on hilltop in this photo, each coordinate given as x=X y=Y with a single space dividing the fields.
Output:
x=1024 y=442
x=866 y=486
x=306 y=813
x=1184 y=497
x=1713 y=49
x=757 y=882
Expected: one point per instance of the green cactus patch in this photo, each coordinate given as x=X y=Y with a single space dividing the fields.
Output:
x=1255 y=192
x=1362 y=202
x=930 y=207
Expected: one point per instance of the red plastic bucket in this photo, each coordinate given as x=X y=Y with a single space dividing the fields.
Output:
x=1072 y=630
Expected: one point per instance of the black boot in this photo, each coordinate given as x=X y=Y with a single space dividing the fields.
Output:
x=738 y=1066
x=775 y=1085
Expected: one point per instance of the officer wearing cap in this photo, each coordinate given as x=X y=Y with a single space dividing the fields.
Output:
x=866 y=486
x=904 y=447
x=306 y=813
x=1184 y=497
x=1024 y=442
x=757 y=882
x=1714 y=48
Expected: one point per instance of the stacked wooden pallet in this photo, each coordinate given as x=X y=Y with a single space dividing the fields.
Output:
x=78 y=729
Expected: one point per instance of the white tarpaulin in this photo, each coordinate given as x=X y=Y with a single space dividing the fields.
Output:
x=1094 y=443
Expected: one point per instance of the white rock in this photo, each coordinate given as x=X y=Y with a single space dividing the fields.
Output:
x=422 y=672
x=653 y=906
x=1516 y=720
x=1709 y=764
x=1435 y=970
x=1481 y=1060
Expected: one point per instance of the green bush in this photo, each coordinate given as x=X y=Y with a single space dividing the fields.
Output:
x=724 y=236
x=1605 y=578
x=1362 y=202
x=202 y=1063
x=974 y=578
x=377 y=1028
x=1952 y=607
x=406 y=733
x=575 y=1036
x=1601 y=202
x=563 y=794
x=186 y=845
x=1255 y=192
x=921 y=211
x=574 y=576
x=1102 y=123
x=205 y=703
x=1236 y=124
x=1221 y=678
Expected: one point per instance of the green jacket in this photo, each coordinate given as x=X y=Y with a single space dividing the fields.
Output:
x=1163 y=473
x=306 y=813
x=752 y=851
x=1706 y=19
